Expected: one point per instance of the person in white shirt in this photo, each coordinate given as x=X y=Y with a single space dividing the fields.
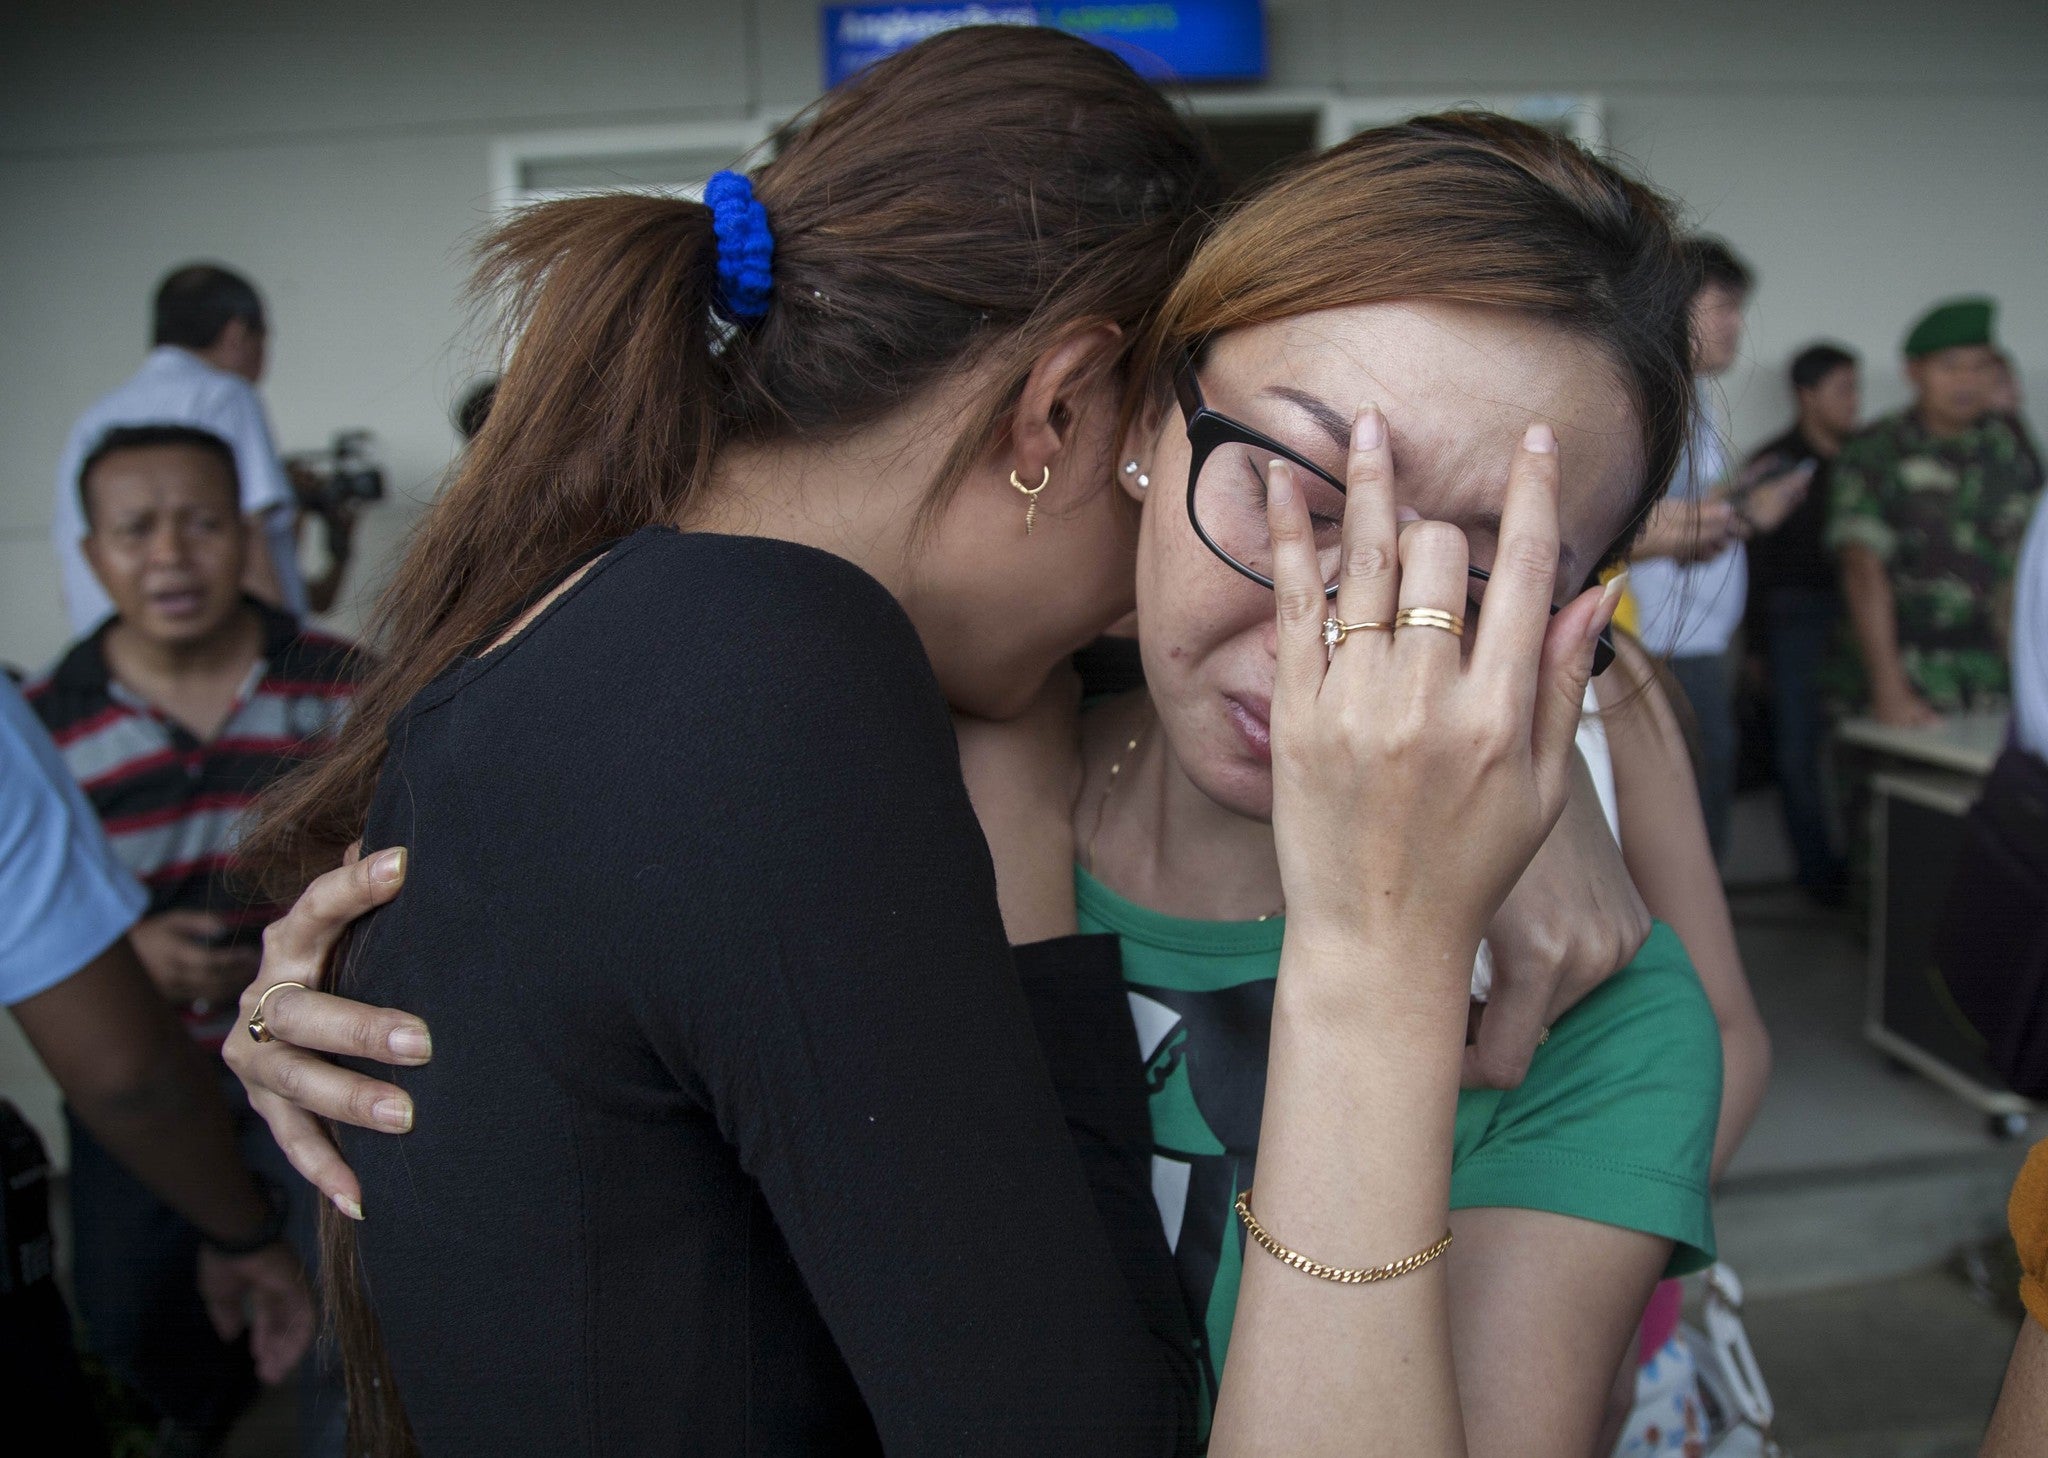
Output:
x=1689 y=573
x=210 y=341
x=2030 y=641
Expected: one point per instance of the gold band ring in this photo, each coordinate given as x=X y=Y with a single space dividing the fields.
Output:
x=1430 y=618
x=257 y=1030
x=1335 y=632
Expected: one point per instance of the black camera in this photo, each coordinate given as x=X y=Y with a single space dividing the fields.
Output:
x=347 y=471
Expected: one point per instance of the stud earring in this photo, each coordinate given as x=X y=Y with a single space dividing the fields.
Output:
x=1131 y=469
x=1031 y=496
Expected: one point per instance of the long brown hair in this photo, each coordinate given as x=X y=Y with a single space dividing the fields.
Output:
x=960 y=206
x=1472 y=208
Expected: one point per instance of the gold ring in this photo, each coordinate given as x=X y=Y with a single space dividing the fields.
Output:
x=1335 y=632
x=257 y=1030
x=1430 y=618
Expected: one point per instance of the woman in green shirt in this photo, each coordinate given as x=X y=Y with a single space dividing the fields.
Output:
x=1573 y=1193
x=1612 y=1128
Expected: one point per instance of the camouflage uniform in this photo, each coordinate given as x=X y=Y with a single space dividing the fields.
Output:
x=1946 y=515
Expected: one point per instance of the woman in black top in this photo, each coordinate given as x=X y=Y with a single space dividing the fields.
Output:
x=739 y=1139
x=767 y=1144
x=749 y=1145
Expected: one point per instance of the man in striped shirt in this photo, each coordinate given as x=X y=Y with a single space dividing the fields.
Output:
x=173 y=716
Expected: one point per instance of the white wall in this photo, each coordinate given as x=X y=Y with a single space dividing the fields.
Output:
x=1868 y=155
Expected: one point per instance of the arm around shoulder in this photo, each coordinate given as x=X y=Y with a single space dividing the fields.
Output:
x=1664 y=842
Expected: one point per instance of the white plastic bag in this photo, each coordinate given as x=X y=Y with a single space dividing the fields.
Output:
x=1702 y=1395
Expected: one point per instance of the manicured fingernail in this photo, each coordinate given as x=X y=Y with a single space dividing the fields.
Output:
x=393 y=1113
x=389 y=866
x=1280 y=482
x=347 y=1206
x=1369 y=430
x=1610 y=598
x=1539 y=439
x=411 y=1042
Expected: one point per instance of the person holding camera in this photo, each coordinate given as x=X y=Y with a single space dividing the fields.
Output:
x=211 y=344
x=174 y=715
x=334 y=485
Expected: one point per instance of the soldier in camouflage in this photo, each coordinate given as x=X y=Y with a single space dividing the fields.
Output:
x=1930 y=506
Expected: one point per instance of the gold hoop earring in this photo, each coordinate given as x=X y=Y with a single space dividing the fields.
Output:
x=1031 y=496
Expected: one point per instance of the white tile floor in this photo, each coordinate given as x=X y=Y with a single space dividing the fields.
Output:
x=1854 y=1169
x=1908 y=1368
x=1834 y=1102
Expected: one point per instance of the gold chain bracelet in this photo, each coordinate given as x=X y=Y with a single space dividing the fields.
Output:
x=1343 y=1275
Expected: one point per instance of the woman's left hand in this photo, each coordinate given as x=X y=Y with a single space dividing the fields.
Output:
x=1572 y=921
x=290 y=1079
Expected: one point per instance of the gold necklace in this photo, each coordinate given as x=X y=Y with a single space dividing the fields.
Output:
x=1109 y=786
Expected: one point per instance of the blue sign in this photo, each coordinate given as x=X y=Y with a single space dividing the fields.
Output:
x=1171 y=40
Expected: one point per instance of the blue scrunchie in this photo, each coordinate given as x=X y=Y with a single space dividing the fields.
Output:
x=746 y=249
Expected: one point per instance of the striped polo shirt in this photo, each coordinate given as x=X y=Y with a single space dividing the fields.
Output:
x=172 y=803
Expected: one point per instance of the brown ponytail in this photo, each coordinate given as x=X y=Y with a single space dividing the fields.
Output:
x=962 y=205
x=604 y=421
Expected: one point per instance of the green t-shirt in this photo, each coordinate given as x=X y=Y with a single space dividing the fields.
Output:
x=1614 y=1123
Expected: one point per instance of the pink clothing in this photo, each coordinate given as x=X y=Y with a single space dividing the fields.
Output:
x=1660 y=1320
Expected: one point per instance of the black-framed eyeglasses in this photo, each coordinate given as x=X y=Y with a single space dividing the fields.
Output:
x=1227 y=463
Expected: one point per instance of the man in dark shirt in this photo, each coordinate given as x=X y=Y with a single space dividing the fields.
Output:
x=1795 y=602
x=173 y=716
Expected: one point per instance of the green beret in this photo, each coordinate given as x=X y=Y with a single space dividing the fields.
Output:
x=1945 y=326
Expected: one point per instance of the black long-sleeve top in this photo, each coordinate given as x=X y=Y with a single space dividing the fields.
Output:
x=738 y=1137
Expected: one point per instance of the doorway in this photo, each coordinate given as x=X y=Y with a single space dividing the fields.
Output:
x=1251 y=146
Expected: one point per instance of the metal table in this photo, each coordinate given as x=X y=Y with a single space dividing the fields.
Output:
x=1922 y=782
